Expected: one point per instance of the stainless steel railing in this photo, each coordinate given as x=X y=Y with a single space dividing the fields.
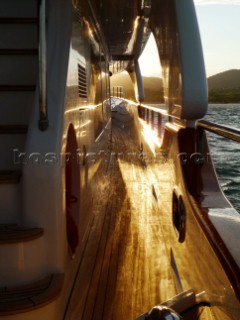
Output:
x=42 y=57
x=221 y=130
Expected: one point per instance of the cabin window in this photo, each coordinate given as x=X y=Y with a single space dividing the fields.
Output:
x=82 y=82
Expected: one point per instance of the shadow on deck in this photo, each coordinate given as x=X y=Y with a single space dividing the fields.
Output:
x=124 y=265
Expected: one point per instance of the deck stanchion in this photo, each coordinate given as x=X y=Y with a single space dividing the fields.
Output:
x=159 y=124
x=152 y=119
x=147 y=115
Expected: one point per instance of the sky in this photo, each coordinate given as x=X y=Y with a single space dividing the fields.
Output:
x=219 y=24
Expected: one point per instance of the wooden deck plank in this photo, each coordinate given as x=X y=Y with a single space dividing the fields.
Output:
x=86 y=269
x=106 y=270
x=124 y=267
x=110 y=290
x=96 y=282
x=137 y=294
x=118 y=308
x=128 y=267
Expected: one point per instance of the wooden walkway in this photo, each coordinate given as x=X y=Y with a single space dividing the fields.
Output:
x=124 y=268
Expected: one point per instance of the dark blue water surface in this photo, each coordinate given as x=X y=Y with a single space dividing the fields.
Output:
x=226 y=153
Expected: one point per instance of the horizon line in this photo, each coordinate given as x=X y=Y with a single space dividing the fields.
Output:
x=217 y=2
x=160 y=76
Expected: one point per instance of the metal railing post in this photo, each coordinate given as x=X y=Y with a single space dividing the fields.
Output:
x=159 y=123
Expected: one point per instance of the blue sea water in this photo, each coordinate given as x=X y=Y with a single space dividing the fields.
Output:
x=226 y=153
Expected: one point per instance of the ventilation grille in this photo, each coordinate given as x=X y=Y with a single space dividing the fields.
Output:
x=82 y=82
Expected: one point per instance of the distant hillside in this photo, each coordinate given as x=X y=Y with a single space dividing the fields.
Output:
x=224 y=87
x=225 y=80
x=152 y=86
x=123 y=79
